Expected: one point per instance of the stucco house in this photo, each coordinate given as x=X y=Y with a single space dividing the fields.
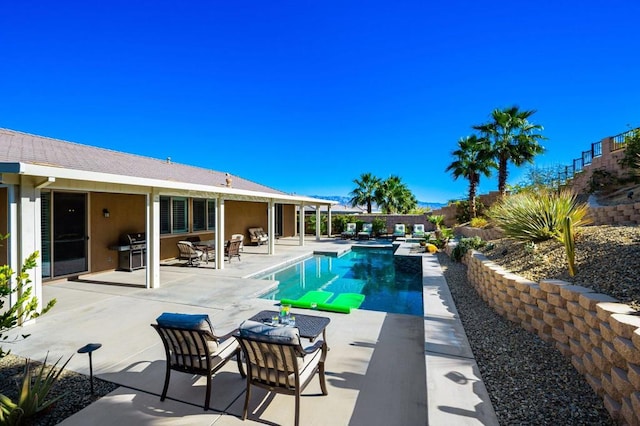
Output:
x=73 y=203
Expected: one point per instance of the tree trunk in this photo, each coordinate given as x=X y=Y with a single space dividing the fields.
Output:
x=502 y=176
x=472 y=198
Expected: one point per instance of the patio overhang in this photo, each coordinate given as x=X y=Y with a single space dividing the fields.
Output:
x=65 y=178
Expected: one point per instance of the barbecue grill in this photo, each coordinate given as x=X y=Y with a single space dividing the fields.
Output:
x=132 y=251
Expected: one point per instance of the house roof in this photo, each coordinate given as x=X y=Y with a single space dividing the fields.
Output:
x=48 y=153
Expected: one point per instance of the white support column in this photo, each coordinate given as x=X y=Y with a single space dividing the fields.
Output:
x=13 y=197
x=329 y=230
x=271 y=227
x=153 y=239
x=220 y=233
x=301 y=224
x=318 y=222
x=29 y=234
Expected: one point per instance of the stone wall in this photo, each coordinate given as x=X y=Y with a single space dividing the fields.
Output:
x=598 y=334
x=487 y=234
x=621 y=214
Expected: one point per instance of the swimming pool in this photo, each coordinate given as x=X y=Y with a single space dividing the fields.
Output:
x=390 y=283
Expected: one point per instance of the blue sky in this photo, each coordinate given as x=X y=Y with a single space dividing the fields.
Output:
x=305 y=96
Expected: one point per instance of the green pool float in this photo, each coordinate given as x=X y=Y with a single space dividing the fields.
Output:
x=306 y=301
x=343 y=302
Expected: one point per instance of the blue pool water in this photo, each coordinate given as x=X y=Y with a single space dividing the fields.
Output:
x=389 y=284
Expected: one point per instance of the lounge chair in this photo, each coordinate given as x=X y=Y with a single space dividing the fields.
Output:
x=239 y=237
x=232 y=249
x=258 y=236
x=350 y=231
x=418 y=230
x=365 y=233
x=192 y=347
x=399 y=230
x=277 y=362
x=188 y=252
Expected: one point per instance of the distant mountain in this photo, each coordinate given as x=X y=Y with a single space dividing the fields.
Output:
x=345 y=201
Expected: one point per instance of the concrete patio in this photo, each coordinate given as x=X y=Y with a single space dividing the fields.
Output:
x=382 y=369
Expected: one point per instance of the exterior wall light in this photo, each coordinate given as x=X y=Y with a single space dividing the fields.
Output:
x=105 y=212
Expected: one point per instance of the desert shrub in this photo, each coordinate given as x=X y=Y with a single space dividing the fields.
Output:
x=310 y=224
x=538 y=216
x=379 y=226
x=631 y=150
x=601 y=179
x=478 y=222
x=463 y=214
x=25 y=306
x=442 y=237
x=339 y=222
x=464 y=245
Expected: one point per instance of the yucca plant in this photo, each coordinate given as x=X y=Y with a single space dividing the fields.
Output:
x=33 y=392
x=539 y=216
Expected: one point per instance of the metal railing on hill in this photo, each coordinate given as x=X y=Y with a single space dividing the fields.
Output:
x=618 y=142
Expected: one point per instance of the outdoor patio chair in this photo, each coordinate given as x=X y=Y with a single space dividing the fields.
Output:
x=365 y=233
x=192 y=347
x=188 y=252
x=418 y=230
x=239 y=237
x=232 y=249
x=350 y=231
x=258 y=236
x=399 y=230
x=277 y=362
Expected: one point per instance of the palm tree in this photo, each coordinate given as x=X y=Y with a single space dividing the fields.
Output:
x=393 y=196
x=365 y=191
x=473 y=158
x=513 y=139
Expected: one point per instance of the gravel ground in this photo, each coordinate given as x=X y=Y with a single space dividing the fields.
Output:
x=528 y=380
x=75 y=386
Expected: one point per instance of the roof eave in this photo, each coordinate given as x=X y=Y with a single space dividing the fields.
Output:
x=28 y=169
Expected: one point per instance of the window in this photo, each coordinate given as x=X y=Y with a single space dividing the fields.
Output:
x=180 y=215
x=174 y=215
x=211 y=214
x=199 y=215
x=165 y=215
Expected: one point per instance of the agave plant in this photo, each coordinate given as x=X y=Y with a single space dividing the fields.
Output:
x=32 y=397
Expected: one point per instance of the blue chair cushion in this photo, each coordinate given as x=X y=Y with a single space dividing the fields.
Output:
x=269 y=333
x=186 y=321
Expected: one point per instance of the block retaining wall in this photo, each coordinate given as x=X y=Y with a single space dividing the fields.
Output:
x=621 y=214
x=486 y=234
x=600 y=335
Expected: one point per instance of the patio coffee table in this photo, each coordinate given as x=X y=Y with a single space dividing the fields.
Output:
x=310 y=326
x=208 y=247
